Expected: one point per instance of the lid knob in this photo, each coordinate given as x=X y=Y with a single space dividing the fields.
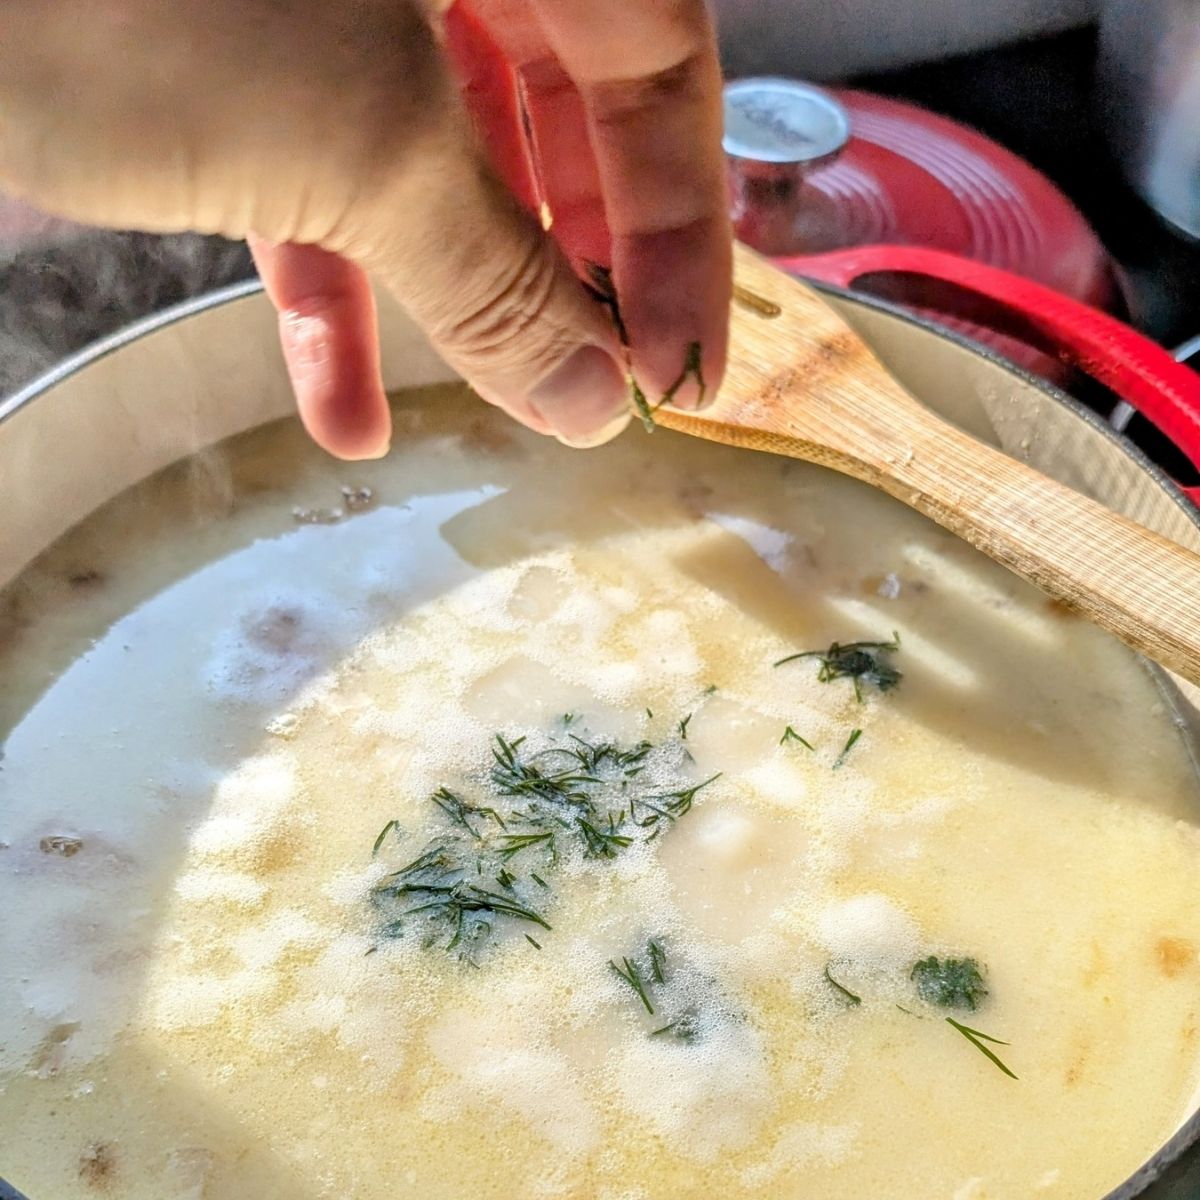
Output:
x=776 y=131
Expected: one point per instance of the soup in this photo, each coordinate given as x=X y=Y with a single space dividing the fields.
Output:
x=498 y=820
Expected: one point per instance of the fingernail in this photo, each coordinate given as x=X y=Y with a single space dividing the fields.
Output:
x=582 y=397
x=371 y=453
x=614 y=428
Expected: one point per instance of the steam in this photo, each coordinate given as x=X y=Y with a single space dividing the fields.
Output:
x=68 y=286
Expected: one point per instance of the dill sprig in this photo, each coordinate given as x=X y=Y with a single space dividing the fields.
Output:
x=950 y=982
x=976 y=1038
x=658 y=962
x=790 y=735
x=574 y=794
x=391 y=826
x=460 y=812
x=851 y=742
x=660 y=992
x=633 y=977
x=846 y=994
x=861 y=662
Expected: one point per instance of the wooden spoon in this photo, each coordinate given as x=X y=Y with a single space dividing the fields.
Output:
x=802 y=383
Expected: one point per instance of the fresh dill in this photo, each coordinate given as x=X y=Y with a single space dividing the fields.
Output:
x=693 y=367
x=641 y=405
x=685 y=1027
x=599 y=284
x=569 y=718
x=658 y=962
x=861 y=662
x=460 y=812
x=977 y=1039
x=790 y=735
x=571 y=795
x=533 y=941
x=690 y=999
x=633 y=977
x=710 y=690
x=513 y=843
x=683 y=727
x=950 y=982
x=844 y=992
x=851 y=741
x=391 y=826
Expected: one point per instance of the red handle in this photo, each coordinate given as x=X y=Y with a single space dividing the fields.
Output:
x=1132 y=366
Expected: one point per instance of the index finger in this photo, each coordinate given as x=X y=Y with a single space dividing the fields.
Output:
x=648 y=73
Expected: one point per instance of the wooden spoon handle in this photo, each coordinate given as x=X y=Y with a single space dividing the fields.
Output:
x=1130 y=581
x=1123 y=577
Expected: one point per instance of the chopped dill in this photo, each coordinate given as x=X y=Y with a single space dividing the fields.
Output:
x=685 y=1027
x=976 y=1038
x=599 y=284
x=846 y=994
x=851 y=741
x=574 y=796
x=514 y=843
x=658 y=962
x=633 y=977
x=683 y=726
x=533 y=941
x=460 y=812
x=861 y=662
x=950 y=983
x=649 y=715
x=790 y=735
x=569 y=718
x=388 y=828
x=684 y=994
x=692 y=366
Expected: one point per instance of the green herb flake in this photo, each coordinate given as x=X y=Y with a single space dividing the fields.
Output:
x=851 y=742
x=861 y=662
x=658 y=962
x=977 y=1039
x=573 y=794
x=388 y=828
x=683 y=726
x=790 y=735
x=950 y=983
x=632 y=976
x=852 y=1000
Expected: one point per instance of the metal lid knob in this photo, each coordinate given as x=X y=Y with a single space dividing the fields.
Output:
x=781 y=121
x=776 y=131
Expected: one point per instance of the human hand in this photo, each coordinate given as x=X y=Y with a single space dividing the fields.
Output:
x=334 y=137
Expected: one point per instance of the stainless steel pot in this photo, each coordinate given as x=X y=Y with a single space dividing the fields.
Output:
x=1149 y=90
x=205 y=370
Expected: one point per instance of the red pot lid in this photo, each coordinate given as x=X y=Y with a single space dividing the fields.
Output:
x=889 y=172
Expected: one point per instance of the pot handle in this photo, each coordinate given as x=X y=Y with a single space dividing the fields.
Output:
x=1136 y=369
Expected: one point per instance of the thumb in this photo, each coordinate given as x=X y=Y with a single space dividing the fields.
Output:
x=492 y=290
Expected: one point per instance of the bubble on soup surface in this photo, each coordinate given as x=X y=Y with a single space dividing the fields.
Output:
x=869 y=928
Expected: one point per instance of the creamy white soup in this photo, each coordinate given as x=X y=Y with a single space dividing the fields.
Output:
x=450 y=826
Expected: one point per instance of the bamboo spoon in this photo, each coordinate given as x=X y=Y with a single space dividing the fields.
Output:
x=802 y=383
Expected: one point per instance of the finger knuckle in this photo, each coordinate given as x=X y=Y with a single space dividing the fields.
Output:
x=507 y=315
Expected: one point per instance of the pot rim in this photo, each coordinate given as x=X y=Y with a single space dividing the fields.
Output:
x=1187 y=1137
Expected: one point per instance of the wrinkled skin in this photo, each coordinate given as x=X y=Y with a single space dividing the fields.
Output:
x=334 y=137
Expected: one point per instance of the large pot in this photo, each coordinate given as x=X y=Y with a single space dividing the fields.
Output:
x=203 y=371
